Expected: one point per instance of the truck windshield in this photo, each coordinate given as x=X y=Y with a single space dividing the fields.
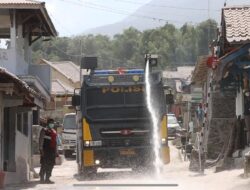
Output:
x=69 y=122
x=123 y=102
x=116 y=103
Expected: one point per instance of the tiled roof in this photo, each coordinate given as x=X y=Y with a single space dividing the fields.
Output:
x=59 y=88
x=67 y=68
x=19 y=3
x=30 y=4
x=237 y=23
x=199 y=75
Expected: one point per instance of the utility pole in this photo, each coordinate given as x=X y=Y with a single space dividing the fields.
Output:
x=209 y=24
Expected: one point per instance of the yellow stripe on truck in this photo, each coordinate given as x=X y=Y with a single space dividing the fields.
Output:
x=88 y=155
x=165 y=152
x=86 y=131
x=88 y=158
x=164 y=131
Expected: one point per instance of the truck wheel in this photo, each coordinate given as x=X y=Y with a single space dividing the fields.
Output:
x=89 y=172
x=79 y=169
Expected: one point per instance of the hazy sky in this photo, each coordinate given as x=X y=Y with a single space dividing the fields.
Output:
x=72 y=17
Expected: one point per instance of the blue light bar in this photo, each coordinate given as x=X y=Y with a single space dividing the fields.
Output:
x=102 y=72
x=135 y=71
x=109 y=72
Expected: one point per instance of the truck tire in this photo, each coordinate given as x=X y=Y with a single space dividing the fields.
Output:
x=89 y=173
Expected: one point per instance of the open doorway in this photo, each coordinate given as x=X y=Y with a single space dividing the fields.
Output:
x=9 y=141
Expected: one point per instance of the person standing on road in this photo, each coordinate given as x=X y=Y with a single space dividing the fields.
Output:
x=200 y=116
x=48 y=150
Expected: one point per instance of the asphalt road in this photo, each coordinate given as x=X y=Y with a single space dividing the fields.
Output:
x=174 y=176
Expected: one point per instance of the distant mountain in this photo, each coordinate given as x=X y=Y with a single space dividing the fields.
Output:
x=157 y=12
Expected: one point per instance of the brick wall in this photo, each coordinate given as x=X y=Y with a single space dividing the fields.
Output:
x=221 y=117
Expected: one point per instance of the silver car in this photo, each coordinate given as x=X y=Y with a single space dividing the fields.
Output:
x=173 y=125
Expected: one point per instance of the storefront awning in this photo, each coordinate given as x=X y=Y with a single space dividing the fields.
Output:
x=239 y=57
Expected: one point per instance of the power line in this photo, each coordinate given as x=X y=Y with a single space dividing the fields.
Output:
x=70 y=55
x=79 y=55
x=164 y=6
x=119 y=11
x=59 y=23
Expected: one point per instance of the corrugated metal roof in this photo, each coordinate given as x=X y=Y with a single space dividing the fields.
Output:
x=67 y=68
x=59 y=88
x=226 y=61
x=237 y=23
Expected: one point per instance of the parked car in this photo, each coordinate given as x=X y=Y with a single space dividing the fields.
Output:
x=173 y=125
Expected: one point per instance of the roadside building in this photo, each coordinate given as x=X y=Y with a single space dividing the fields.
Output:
x=176 y=79
x=224 y=81
x=198 y=90
x=232 y=73
x=24 y=87
x=65 y=77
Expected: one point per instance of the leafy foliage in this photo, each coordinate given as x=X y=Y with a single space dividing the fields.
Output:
x=175 y=46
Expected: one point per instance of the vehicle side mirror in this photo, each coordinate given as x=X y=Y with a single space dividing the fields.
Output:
x=169 y=99
x=76 y=100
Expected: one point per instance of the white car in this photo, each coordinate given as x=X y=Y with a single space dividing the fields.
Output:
x=69 y=134
x=173 y=125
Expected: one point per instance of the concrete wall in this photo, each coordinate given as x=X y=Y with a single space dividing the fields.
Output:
x=1 y=130
x=7 y=59
x=223 y=106
x=219 y=132
x=221 y=118
x=13 y=61
x=22 y=67
x=12 y=58
x=43 y=72
x=22 y=154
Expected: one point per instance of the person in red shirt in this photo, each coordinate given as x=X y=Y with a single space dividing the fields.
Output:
x=48 y=150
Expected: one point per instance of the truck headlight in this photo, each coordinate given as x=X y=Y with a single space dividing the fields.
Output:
x=97 y=162
x=92 y=143
x=163 y=141
x=86 y=143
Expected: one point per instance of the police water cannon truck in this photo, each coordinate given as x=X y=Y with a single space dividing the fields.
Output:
x=114 y=128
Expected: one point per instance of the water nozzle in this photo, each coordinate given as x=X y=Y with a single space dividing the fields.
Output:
x=152 y=59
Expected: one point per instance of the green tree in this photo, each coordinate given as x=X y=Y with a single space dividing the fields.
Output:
x=206 y=33
x=175 y=46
